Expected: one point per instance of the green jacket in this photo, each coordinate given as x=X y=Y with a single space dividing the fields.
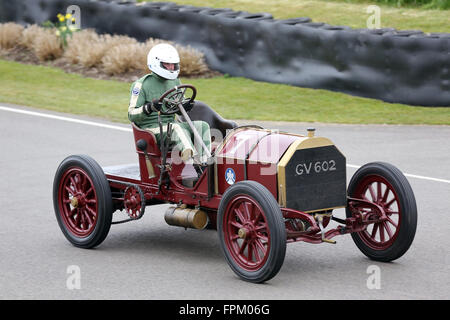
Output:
x=147 y=88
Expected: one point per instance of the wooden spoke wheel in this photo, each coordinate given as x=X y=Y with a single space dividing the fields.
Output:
x=251 y=231
x=383 y=184
x=82 y=201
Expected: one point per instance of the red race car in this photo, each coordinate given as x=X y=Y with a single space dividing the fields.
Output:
x=260 y=189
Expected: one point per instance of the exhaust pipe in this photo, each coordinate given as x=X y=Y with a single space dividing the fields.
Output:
x=187 y=218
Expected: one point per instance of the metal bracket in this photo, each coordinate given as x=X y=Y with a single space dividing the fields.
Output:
x=319 y=218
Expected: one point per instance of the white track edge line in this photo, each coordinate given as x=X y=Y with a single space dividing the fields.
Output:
x=97 y=124
x=51 y=116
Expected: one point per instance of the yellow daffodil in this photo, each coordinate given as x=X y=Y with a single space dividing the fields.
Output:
x=68 y=16
x=61 y=18
x=59 y=15
x=73 y=19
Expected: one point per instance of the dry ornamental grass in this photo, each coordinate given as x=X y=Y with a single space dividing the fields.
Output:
x=47 y=45
x=192 y=62
x=10 y=35
x=44 y=43
x=29 y=35
x=112 y=54
x=82 y=42
x=120 y=54
x=121 y=58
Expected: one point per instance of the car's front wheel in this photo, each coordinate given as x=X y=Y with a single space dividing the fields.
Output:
x=251 y=231
x=386 y=186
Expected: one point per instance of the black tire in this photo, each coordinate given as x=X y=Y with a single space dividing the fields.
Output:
x=405 y=203
x=262 y=202
x=104 y=206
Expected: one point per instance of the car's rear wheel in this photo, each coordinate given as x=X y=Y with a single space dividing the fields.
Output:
x=251 y=231
x=387 y=187
x=82 y=201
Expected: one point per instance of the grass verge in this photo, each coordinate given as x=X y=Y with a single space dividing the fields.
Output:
x=234 y=98
x=339 y=12
x=425 y=4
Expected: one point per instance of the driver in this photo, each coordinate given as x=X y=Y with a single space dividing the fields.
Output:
x=164 y=63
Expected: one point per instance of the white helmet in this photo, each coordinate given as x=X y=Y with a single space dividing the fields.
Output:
x=164 y=53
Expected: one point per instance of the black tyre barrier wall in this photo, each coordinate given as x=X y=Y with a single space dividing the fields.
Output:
x=396 y=66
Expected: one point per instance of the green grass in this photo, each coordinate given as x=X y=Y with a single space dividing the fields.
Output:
x=425 y=4
x=234 y=98
x=351 y=13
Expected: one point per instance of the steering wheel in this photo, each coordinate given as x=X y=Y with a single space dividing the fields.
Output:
x=173 y=97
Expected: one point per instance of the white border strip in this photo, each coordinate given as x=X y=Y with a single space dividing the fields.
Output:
x=51 y=116
x=409 y=175
x=108 y=126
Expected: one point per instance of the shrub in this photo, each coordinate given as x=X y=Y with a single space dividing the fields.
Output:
x=115 y=40
x=81 y=43
x=121 y=58
x=29 y=35
x=192 y=61
x=92 y=54
x=10 y=35
x=47 y=46
x=88 y=48
x=114 y=54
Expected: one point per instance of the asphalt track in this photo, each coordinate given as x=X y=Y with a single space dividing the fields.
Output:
x=148 y=259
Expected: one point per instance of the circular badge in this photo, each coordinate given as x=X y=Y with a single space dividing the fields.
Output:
x=230 y=176
x=135 y=91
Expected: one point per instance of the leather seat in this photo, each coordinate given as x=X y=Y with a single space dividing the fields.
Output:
x=201 y=111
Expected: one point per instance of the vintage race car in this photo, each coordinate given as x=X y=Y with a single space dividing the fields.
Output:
x=260 y=189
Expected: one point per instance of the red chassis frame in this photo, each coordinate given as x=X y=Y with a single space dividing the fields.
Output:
x=201 y=196
x=357 y=223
